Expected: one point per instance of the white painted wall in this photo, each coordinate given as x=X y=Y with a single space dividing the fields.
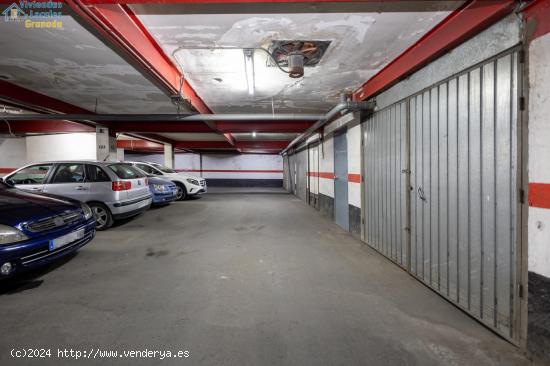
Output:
x=61 y=147
x=13 y=153
x=539 y=152
x=239 y=165
x=326 y=165
x=242 y=163
x=354 y=164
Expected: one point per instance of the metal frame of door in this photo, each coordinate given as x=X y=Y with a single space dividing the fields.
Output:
x=341 y=134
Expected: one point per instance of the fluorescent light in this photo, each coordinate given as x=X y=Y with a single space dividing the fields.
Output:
x=253 y=133
x=249 y=69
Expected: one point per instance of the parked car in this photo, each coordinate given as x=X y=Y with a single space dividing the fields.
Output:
x=187 y=184
x=112 y=190
x=163 y=190
x=36 y=229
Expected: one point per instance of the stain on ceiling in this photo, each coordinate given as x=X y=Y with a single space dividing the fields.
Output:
x=72 y=65
x=208 y=49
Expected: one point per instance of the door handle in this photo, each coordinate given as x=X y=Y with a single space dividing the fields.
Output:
x=422 y=195
x=81 y=188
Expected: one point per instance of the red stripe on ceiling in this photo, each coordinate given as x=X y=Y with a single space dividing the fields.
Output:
x=354 y=178
x=537 y=16
x=539 y=195
x=462 y=24
x=229 y=171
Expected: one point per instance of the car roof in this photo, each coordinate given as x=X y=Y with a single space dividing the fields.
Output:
x=95 y=162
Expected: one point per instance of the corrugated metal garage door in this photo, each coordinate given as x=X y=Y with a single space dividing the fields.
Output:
x=301 y=178
x=386 y=157
x=464 y=189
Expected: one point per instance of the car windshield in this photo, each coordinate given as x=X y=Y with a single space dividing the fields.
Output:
x=163 y=168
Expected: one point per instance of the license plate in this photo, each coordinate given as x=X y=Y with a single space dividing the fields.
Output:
x=66 y=239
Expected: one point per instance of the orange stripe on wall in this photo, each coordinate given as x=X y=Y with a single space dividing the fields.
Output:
x=539 y=195
x=354 y=178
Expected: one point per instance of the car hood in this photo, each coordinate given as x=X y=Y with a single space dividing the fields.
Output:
x=181 y=175
x=18 y=206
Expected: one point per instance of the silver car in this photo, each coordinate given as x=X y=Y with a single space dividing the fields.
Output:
x=113 y=190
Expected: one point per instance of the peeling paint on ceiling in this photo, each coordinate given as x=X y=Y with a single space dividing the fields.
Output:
x=362 y=44
x=72 y=65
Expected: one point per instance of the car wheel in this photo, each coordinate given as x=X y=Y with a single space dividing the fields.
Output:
x=103 y=217
x=181 y=193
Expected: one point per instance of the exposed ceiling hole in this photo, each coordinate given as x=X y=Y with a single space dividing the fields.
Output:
x=312 y=51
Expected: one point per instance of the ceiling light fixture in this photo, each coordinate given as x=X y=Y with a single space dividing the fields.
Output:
x=249 y=69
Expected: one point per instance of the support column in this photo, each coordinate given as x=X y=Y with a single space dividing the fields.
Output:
x=169 y=155
x=105 y=145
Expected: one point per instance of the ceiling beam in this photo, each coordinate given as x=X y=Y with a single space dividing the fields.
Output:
x=34 y=101
x=463 y=23
x=43 y=127
x=117 y=25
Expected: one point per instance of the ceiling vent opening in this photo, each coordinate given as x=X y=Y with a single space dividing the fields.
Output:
x=297 y=54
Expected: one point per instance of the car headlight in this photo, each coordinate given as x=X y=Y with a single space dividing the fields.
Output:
x=88 y=213
x=10 y=235
x=193 y=181
x=159 y=187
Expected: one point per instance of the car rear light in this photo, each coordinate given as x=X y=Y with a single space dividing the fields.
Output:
x=121 y=185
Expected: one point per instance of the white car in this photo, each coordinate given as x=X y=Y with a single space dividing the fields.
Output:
x=188 y=185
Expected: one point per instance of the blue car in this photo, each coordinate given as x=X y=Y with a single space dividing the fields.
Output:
x=36 y=229
x=163 y=190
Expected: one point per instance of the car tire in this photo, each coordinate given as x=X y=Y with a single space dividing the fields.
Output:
x=104 y=218
x=181 y=193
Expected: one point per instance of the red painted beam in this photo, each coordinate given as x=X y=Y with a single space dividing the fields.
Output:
x=36 y=101
x=262 y=145
x=159 y=126
x=120 y=27
x=234 y=1
x=43 y=127
x=138 y=144
x=537 y=16
x=462 y=24
x=192 y=145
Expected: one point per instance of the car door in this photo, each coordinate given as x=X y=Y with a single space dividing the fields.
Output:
x=30 y=178
x=68 y=180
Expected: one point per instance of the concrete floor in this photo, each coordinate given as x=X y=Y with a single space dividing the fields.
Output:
x=240 y=279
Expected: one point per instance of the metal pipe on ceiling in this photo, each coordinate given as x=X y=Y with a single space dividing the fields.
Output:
x=345 y=106
x=163 y=117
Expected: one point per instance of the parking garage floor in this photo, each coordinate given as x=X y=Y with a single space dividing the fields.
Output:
x=240 y=279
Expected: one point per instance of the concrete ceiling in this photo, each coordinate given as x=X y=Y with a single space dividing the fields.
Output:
x=72 y=65
x=362 y=44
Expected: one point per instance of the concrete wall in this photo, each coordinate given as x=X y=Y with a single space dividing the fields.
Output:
x=13 y=154
x=61 y=147
x=539 y=156
x=226 y=169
